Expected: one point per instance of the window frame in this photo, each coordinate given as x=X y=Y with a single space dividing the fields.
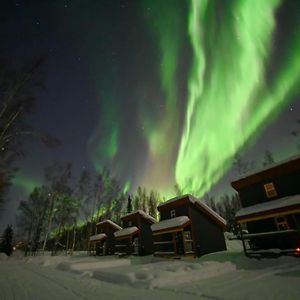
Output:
x=173 y=213
x=270 y=190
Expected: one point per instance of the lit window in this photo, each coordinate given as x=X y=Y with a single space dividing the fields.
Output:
x=173 y=213
x=270 y=190
x=282 y=223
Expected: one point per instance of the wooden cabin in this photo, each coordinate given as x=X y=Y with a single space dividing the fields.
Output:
x=136 y=237
x=187 y=227
x=103 y=242
x=270 y=201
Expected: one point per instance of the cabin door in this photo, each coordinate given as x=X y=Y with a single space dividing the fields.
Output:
x=136 y=246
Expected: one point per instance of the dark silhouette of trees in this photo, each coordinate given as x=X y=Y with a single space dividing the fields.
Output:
x=17 y=100
x=296 y=134
x=226 y=207
x=268 y=159
x=6 y=242
x=33 y=215
x=129 y=205
x=242 y=166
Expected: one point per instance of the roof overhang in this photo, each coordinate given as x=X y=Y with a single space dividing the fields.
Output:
x=179 y=200
x=276 y=170
x=139 y=213
x=109 y=222
x=126 y=232
x=170 y=225
x=189 y=199
x=98 y=237
x=280 y=207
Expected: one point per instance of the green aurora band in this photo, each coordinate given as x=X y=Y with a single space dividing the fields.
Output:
x=164 y=127
x=237 y=83
x=229 y=97
x=25 y=183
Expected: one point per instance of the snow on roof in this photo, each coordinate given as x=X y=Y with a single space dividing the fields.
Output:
x=170 y=223
x=274 y=165
x=126 y=231
x=211 y=212
x=143 y=214
x=190 y=197
x=270 y=205
x=98 y=237
x=198 y=203
x=111 y=223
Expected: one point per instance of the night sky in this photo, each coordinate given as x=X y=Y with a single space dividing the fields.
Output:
x=159 y=92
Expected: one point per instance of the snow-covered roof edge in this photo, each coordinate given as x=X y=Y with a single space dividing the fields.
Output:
x=190 y=197
x=270 y=205
x=201 y=204
x=126 y=231
x=170 y=223
x=211 y=212
x=277 y=164
x=111 y=223
x=98 y=237
x=142 y=213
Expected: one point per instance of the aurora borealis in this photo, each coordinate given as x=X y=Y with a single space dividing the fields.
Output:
x=232 y=91
x=229 y=80
x=160 y=92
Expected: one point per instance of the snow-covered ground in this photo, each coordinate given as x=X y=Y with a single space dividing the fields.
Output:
x=223 y=275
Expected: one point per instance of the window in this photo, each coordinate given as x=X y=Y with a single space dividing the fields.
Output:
x=173 y=213
x=129 y=223
x=270 y=190
x=282 y=223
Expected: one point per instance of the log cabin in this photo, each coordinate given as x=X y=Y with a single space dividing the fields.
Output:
x=103 y=242
x=187 y=227
x=136 y=237
x=270 y=212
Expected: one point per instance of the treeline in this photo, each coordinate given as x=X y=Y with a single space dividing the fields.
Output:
x=226 y=207
x=66 y=206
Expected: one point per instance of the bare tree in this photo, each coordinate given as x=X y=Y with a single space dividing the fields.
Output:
x=17 y=99
x=268 y=159
x=242 y=166
x=33 y=215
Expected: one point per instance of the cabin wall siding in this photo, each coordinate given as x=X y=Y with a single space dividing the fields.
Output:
x=110 y=240
x=209 y=237
x=262 y=226
x=181 y=210
x=285 y=185
x=146 y=239
x=145 y=235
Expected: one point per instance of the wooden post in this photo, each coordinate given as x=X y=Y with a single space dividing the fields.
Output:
x=174 y=242
x=242 y=238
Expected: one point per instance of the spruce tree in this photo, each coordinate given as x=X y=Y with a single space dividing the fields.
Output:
x=129 y=205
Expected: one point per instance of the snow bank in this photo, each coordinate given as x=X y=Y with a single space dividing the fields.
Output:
x=162 y=274
x=3 y=256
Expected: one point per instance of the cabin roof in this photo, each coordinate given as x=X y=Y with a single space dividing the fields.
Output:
x=171 y=224
x=211 y=213
x=273 y=208
x=282 y=167
x=142 y=214
x=188 y=198
x=113 y=224
x=126 y=231
x=176 y=200
x=98 y=237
